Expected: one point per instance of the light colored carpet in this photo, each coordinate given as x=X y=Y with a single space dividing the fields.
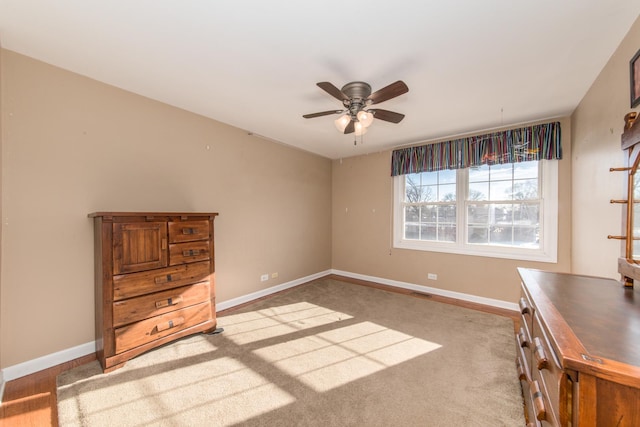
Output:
x=328 y=353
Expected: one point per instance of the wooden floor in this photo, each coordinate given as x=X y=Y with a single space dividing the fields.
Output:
x=31 y=400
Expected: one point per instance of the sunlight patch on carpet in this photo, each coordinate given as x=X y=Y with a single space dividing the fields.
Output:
x=334 y=358
x=182 y=393
x=245 y=328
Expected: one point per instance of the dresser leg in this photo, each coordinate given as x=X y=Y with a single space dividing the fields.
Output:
x=216 y=331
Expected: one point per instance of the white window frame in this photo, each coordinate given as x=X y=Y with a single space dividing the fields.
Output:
x=547 y=251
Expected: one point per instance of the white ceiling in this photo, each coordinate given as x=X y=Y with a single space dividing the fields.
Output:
x=470 y=65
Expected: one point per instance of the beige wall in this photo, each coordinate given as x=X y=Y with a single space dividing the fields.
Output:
x=1 y=174
x=597 y=125
x=72 y=146
x=362 y=227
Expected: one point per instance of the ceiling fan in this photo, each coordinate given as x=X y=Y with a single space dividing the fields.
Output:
x=356 y=98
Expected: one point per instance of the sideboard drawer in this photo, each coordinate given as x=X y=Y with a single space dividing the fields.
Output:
x=148 y=330
x=144 y=307
x=134 y=284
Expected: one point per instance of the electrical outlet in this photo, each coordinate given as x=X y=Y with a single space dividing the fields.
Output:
x=264 y=277
x=274 y=275
x=432 y=276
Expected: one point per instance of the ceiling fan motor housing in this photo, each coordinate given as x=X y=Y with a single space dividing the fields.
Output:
x=358 y=92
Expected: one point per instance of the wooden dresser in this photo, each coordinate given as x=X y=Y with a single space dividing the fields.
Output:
x=154 y=281
x=579 y=350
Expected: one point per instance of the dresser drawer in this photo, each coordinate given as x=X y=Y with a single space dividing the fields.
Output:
x=144 y=307
x=148 y=330
x=543 y=408
x=523 y=340
x=181 y=253
x=530 y=415
x=188 y=231
x=545 y=364
x=526 y=312
x=134 y=284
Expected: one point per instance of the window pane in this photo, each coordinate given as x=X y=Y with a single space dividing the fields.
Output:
x=429 y=193
x=478 y=174
x=479 y=191
x=501 y=190
x=525 y=170
x=412 y=188
x=501 y=172
x=477 y=214
x=525 y=236
x=525 y=189
x=447 y=213
x=429 y=178
x=447 y=233
x=447 y=193
x=415 y=177
x=412 y=214
x=429 y=214
x=411 y=231
x=428 y=232
x=502 y=214
x=478 y=235
x=526 y=214
x=501 y=235
x=447 y=177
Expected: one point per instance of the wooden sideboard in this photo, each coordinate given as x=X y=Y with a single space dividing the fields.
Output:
x=579 y=350
x=154 y=281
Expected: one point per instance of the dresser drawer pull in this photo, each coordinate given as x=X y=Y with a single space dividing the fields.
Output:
x=540 y=354
x=522 y=340
x=189 y=231
x=166 y=279
x=170 y=324
x=524 y=306
x=191 y=252
x=538 y=401
x=169 y=301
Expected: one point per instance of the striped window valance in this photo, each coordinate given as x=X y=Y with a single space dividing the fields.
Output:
x=509 y=146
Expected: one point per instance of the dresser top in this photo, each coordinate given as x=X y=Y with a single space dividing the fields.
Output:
x=590 y=318
x=150 y=214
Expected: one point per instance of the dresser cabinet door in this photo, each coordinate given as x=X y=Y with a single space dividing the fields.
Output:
x=139 y=246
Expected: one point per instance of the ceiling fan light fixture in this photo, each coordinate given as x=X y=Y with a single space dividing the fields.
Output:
x=342 y=122
x=359 y=129
x=365 y=117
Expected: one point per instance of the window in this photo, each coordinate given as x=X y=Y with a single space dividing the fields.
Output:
x=501 y=210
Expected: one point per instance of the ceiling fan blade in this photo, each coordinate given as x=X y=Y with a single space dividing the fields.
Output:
x=388 y=92
x=333 y=91
x=322 y=113
x=351 y=127
x=387 y=116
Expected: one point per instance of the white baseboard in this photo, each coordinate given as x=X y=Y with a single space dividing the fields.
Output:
x=272 y=290
x=50 y=360
x=428 y=290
